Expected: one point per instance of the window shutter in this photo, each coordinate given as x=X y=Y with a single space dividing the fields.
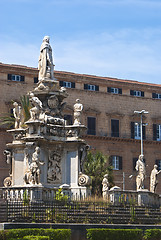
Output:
x=109 y=89
x=132 y=130
x=22 y=78
x=96 y=87
x=154 y=131
x=144 y=132
x=142 y=94
x=114 y=128
x=120 y=163
x=110 y=160
x=132 y=92
x=134 y=163
x=154 y=95
x=120 y=90
x=85 y=86
x=61 y=83
x=35 y=79
x=91 y=124
x=9 y=76
x=72 y=84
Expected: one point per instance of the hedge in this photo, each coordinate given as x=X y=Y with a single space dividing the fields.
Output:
x=19 y=234
x=152 y=234
x=114 y=234
x=36 y=238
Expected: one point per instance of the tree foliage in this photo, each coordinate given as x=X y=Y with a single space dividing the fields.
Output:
x=96 y=166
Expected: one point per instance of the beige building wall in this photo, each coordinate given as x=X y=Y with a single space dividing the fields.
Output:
x=104 y=107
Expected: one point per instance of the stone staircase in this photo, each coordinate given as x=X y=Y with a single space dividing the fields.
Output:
x=80 y=213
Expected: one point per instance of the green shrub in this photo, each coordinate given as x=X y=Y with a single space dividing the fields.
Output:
x=152 y=234
x=114 y=234
x=36 y=238
x=19 y=234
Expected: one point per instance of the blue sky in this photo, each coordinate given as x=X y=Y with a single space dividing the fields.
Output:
x=113 y=38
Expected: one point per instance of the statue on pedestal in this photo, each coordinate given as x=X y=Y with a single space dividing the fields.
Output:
x=78 y=107
x=46 y=66
x=153 y=179
x=35 y=166
x=140 y=168
x=105 y=187
x=17 y=113
x=36 y=110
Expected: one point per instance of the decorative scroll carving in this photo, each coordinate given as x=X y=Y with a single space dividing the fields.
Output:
x=83 y=179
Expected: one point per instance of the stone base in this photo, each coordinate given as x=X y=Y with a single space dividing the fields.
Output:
x=140 y=198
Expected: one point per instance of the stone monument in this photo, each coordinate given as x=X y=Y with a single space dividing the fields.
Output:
x=153 y=179
x=140 y=168
x=105 y=187
x=47 y=154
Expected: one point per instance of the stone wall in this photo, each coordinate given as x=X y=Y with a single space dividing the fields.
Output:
x=103 y=106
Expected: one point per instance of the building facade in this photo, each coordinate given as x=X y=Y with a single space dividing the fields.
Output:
x=112 y=125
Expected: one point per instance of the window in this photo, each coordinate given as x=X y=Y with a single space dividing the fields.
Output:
x=91 y=125
x=69 y=119
x=136 y=130
x=18 y=78
x=114 y=128
x=157 y=132
x=67 y=84
x=91 y=87
x=156 y=95
x=136 y=93
x=116 y=162
x=114 y=90
x=158 y=162
x=35 y=79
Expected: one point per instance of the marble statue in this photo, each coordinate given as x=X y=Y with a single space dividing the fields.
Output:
x=153 y=179
x=105 y=187
x=35 y=166
x=36 y=110
x=140 y=168
x=17 y=113
x=83 y=156
x=46 y=66
x=78 y=107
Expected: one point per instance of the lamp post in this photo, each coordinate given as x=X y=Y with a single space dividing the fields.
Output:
x=141 y=126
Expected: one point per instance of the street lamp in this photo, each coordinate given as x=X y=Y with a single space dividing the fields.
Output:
x=141 y=126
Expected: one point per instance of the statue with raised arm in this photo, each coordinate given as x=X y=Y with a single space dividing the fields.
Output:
x=140 y=168
x=46 y=66
x=35 y=166
x=153 y=179
x=78 y=107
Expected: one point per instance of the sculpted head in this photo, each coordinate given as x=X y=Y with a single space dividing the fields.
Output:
x=46 y=39
x=15 y=104
x=141 y=157
x=155 y=166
